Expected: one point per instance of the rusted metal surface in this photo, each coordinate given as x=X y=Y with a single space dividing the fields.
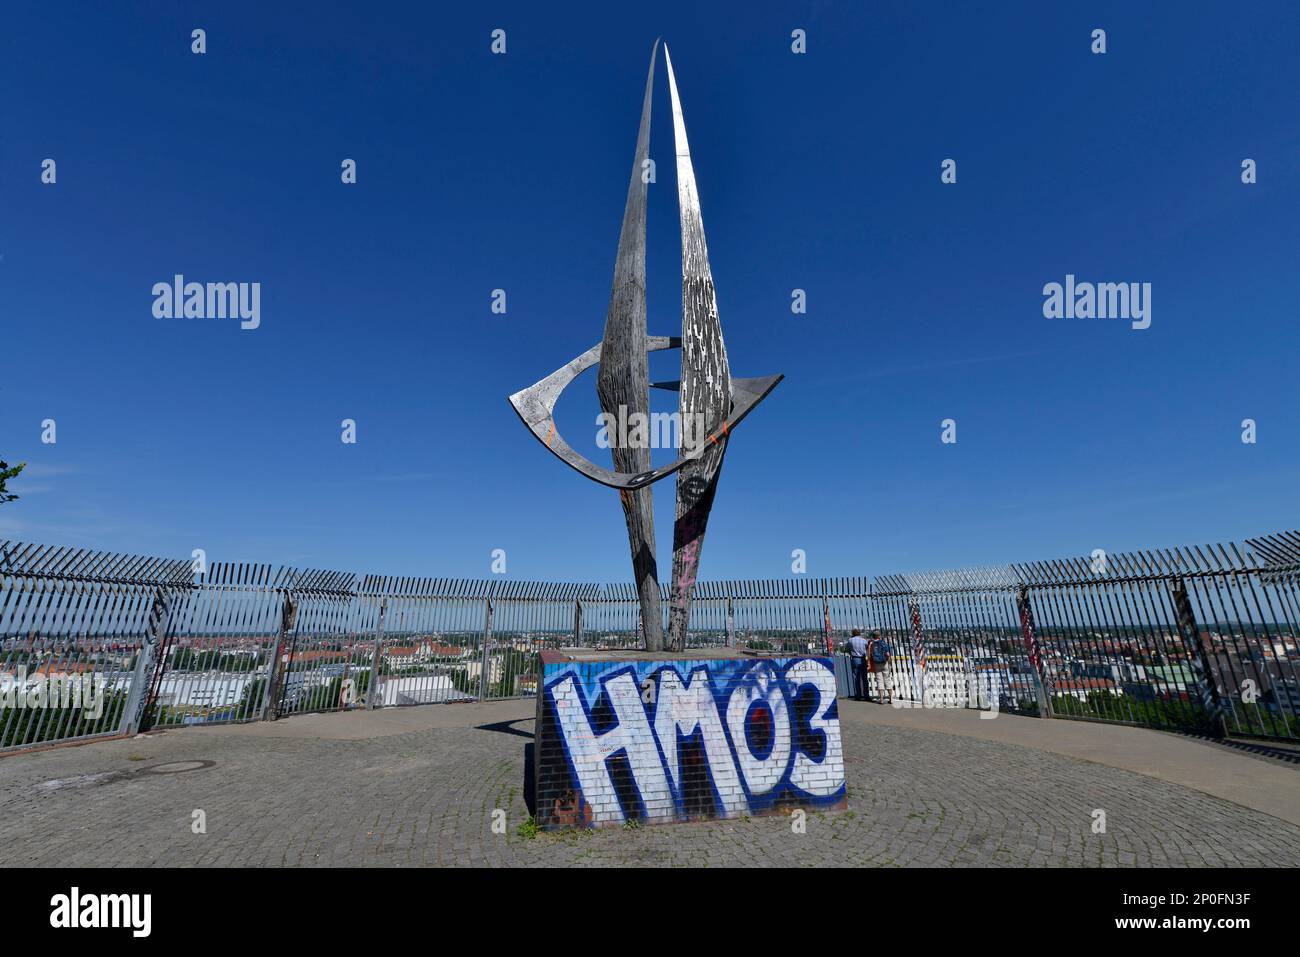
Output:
x=623 y=383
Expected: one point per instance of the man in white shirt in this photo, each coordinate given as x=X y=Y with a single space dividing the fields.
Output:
x=858 y=665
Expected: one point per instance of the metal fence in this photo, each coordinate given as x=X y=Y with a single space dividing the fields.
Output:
x=1199 y=639
x=78 y=635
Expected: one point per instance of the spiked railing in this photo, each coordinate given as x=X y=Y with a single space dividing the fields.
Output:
x=67 y=564
x=1200 y=638
x=77 y=631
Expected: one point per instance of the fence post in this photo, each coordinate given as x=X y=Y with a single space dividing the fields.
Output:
x=487 y=641
x=577 y=622
x=1026 y=611
x=827 y=631
x=372 y=688
x=270 y=709
x=1200 y=660
x=731 y=619
x=918 y=646
x=147 y=666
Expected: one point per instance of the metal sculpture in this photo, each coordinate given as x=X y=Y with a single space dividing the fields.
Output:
x=710 y=402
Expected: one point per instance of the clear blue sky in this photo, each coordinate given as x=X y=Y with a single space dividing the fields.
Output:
x=818 y=171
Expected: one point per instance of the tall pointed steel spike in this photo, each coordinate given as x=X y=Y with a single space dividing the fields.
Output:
x=705 y=394
x=624 y=377
x=701 y=328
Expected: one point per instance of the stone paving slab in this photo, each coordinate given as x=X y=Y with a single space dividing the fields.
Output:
x=418 y=786
x=1241 y=777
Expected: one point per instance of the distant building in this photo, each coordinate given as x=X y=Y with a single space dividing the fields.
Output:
x=419 y=689
x=1080 y=688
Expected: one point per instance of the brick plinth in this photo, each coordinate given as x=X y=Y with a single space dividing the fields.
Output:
x=657 y=738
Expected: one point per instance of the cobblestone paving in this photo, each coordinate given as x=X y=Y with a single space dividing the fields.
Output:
x=426 y=798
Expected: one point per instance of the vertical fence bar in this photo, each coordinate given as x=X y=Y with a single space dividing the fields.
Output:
x=918 y=645
x=487 y=644
x=373 y=683
x=1026 y=611
x=137 y=704
x=280 y=656
x=1199 y=660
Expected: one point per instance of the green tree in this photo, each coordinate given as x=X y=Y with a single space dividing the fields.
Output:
x=251 y=699
x=6 y=473
x=460 y=680
x=182 y=659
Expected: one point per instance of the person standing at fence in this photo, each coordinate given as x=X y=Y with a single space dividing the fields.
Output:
x=858 y=665
x=877 y=661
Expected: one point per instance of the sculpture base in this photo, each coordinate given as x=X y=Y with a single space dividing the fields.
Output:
x=659 y=737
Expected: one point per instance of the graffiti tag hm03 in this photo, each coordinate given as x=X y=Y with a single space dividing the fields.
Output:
x=670 y=740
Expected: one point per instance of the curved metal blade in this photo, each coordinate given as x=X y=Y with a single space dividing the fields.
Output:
x=536 y=407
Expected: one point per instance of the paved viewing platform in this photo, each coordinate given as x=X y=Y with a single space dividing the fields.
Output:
x=416 y=786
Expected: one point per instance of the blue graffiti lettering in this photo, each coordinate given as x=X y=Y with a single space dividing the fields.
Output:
x=664 y=741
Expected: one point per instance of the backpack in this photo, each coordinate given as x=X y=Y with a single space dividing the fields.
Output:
x=880 y=651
